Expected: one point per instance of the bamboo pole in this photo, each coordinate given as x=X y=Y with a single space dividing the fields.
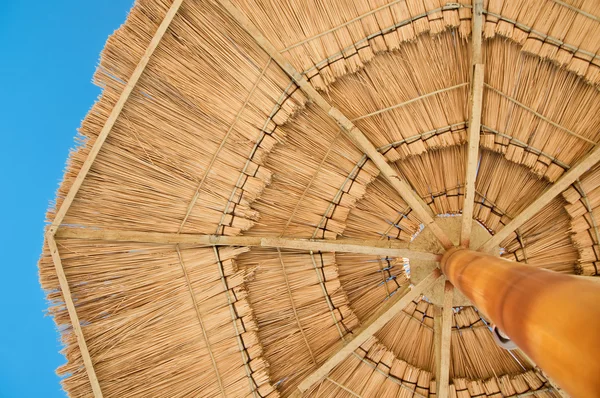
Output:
x=114 y=114
x=443 y=337
x=476 y=101
x=362 y=334
x=353 y=132
x=375 y=247
x=68 y=299
x=552 y=317
x=559 y=186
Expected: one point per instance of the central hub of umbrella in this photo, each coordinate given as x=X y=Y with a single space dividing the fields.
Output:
x=426 y=241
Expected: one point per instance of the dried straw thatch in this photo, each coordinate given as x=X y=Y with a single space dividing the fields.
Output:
x=374 y=371
x=208 y=124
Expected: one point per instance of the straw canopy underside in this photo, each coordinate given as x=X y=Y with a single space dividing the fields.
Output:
x=216 y=139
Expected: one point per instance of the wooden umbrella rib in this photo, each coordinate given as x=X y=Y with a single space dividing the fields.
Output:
x=357 y=136
x=474 y=133
x=477 y=33
x=550 y=193
x=375 y=247
x=75 y=323
x=370 y=327
x=114 y=114
x=437 y=343
x=444 y=336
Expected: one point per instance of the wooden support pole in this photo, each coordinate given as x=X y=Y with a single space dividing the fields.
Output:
x=114 y=114
x=476 y=102
x=443 y=339
x=369 y=328
x=376 y=247
x=546 y=197
x=66 y=293
x=354 y=133
x=553 y=318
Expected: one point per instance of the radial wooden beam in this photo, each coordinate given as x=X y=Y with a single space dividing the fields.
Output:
x=114 y=114
x=477 y=33
x=68 y=299
x=369 y=328
x=353 y=132
x=550 y=193
x=476 y=101
x=443 y=334
x=375 y=247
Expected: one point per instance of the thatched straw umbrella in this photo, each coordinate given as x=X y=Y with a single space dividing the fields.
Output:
x=259 y=195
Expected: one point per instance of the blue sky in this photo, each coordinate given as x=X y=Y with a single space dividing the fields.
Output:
x=48 y=53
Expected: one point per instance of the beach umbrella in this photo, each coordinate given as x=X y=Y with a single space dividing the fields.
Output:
x=258 y=201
